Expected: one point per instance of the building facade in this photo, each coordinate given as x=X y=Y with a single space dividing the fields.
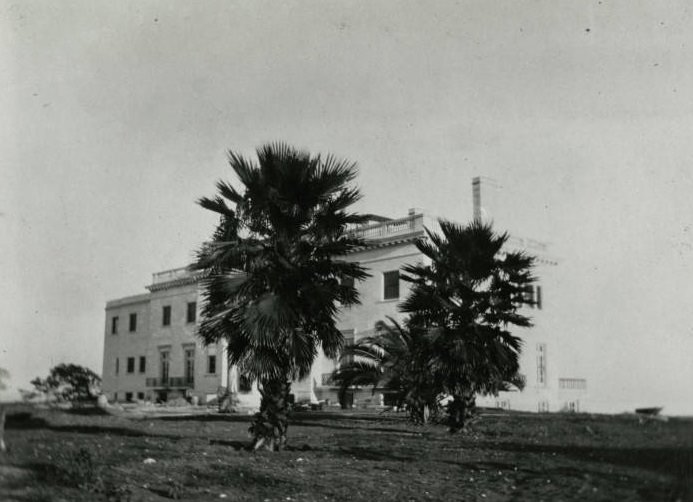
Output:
x=150 y=348
x=151 y=351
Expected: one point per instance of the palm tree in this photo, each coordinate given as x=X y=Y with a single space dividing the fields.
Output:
x=272 y=276
x=466 y=299
x=397 y=359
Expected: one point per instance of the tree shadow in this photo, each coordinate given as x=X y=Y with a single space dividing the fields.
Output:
x=322 y=425
x=670 y=461
x=677 y=463
x=26 y=421
x=87 y=411
x=208 y=418
x=236 y=445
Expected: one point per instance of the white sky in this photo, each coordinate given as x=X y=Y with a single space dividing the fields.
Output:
x=116 y=117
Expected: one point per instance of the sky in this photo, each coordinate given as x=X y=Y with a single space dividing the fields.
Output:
x=116 y=118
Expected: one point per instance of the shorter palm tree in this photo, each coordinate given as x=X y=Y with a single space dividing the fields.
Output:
x=466 y=300
x=397 y=359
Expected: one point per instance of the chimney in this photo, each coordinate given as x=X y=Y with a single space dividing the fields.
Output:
x=476 y=196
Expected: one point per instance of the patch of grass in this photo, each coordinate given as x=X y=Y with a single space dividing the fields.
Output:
x=350 y=456
x=75 y=468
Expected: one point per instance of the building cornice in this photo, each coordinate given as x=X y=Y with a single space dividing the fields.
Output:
x=404 y=239
x=128 y=300
x=175 y=283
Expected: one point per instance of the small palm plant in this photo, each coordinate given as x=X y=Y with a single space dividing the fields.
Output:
x=397 y=360
x=273 y=273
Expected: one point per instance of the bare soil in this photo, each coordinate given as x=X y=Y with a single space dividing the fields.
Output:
x=82 y=456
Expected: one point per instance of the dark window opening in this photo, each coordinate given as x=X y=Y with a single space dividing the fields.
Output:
x=133 y=322
x=192 y=312
x=211 y=364
x=140 y=396
x=391 y=285
x=114 y=325
x=131 y=364
x=143 y=364
x=528 y=296
x=117 y=368
x=245 y=384
x=128 y=397
x=189 y=365
x=164 y=366
x=538 y=298
x=166 y=316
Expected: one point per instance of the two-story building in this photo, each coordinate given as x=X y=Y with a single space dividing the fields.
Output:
x=151 y=351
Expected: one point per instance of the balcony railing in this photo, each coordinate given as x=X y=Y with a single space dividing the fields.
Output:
x=392 y=228
x=178 y=382
x=170 y=275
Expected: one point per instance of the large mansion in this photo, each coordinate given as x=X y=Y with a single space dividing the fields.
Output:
x=151 y=351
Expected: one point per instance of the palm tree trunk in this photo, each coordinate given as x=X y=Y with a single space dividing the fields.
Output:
x=272 y=421
x=460 y=410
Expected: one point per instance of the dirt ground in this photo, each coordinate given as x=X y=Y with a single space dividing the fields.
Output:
x=81 y=456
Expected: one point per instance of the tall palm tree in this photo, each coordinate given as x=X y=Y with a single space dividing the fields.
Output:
x=273 y=278
x=467 y=299
x=398 y=360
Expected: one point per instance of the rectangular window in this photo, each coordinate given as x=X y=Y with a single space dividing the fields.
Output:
x=128 y=397
x=164 y=366
x=192 y=312
x=348 y=335
x=133 y=323
x=245 y=384
x=391 y=285
x=572 y=383
x=211 y=364
x=189 y=366
x=140 y=396
x=131 y=364
x=166 y=316
x=538 y=297
x=348 y=282
x=541 y=364
x=114 y=325
x=117 y=369
x=143 y=364
x=529 y=295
